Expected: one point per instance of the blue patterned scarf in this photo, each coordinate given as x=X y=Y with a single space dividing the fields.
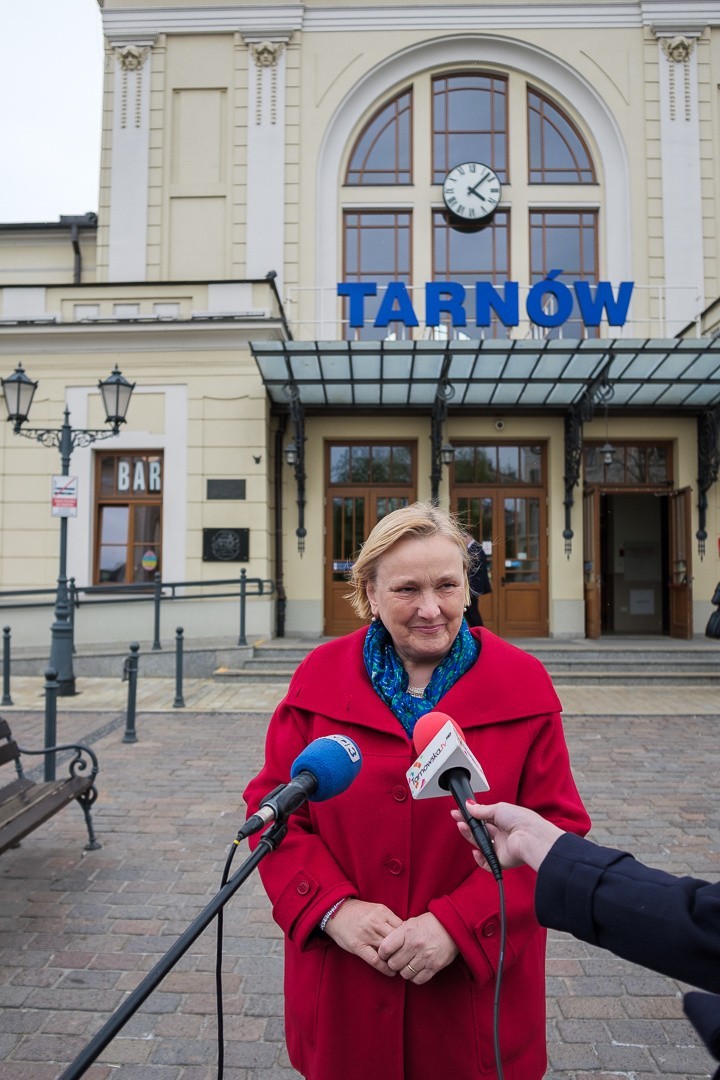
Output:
x=390 y=680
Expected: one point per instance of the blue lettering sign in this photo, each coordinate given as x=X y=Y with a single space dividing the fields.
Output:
x=549 y=302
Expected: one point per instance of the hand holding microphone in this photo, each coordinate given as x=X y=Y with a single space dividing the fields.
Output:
x=520 y=836
x=446 y=765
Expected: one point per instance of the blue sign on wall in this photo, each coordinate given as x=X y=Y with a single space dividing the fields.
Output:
x=447 y=298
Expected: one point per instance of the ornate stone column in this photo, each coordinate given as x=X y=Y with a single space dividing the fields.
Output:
x=681 y=176
x=129 y=158
x=266 y=138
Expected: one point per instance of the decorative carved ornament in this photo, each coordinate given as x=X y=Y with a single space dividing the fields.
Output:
x=131 y=58
x=678 y=50
x=266 y=55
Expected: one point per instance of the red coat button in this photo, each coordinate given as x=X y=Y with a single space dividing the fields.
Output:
x=395 y=866
x=303 y=887
x=400 y=793
x=489 y=929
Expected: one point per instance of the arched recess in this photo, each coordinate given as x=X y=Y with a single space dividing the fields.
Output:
x=445 y=53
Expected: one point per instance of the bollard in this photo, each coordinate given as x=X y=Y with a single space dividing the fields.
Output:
x=179 y=702
x=6 y=699
x=130 y=672
x=242 y=640
x=157 y=586
x=51 y=693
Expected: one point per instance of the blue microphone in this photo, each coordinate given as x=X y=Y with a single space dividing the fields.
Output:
x=326 y=767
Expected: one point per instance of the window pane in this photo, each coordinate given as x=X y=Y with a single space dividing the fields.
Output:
x=146 y=524
x=380 y=472
x=657 y=465
x=381 y=154
x=401 y=465
x=508 y=461
x=472 y=254
x=113 y=543
x=565 y=240
x=107 y=475
x=469 y=122
x=377 y=248
x=531 y=464
x=339 y=464
x=360 y=464
x=464 y=465
x=558 y=154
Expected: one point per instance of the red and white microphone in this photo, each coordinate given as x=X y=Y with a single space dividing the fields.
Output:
x=446 y=765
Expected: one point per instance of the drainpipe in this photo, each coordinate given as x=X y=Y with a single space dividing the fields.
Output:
x=279 y=566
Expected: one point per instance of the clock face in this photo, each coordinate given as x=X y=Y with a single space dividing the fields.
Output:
x=471 y=191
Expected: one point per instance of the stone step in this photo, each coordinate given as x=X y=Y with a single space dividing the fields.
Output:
x=577 y=674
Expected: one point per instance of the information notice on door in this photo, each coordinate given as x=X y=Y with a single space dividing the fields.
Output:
x=64 y=496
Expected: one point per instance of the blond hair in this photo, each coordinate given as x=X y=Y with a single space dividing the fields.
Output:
x=418 y=520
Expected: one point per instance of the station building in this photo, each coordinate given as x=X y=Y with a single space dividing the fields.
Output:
x=358 y=254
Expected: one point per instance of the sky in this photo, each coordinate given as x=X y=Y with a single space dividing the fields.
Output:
x=51 y=60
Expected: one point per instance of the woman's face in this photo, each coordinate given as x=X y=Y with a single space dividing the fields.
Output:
x=419 y=594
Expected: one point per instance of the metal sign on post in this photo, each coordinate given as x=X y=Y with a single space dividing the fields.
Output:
x=64 y=496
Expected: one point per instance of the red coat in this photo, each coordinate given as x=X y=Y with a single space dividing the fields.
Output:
x=343 y=1020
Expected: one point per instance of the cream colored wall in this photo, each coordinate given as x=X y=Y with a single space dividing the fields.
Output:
x=44 y=257
x=210 y=420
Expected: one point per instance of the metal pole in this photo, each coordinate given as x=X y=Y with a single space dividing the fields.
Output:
x=179 y=702
x=61 y=630
x=242 y=640
x=157 y=584
x=6 y=699
x=131 y=672
x=73 y=594
x=51 y=693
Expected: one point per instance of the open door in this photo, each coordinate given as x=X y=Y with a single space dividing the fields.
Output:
x=680 y=570
x=591 y=561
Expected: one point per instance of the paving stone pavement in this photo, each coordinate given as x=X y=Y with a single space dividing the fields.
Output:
x=79 y=931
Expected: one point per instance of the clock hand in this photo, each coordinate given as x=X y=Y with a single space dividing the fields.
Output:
x=473 y=190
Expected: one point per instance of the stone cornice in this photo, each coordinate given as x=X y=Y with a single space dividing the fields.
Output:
x=664 y=16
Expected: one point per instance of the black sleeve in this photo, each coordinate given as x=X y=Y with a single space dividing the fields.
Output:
x=603 y=896
x=478 y=572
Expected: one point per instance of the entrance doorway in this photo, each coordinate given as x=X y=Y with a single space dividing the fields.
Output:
x=636 y=558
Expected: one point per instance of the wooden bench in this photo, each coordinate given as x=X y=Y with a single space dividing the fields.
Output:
x=25 y=803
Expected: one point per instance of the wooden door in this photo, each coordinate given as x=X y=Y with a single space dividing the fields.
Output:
x=351 y=514
x=592 y=581
x=511 y=524
x=680 y=569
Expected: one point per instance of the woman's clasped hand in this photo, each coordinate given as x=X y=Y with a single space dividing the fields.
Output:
x=415 y=948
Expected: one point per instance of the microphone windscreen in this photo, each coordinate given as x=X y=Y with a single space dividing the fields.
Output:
x=427 y=728
x=334 y=761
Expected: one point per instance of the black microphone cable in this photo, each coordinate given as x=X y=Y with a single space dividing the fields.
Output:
x=218 y=964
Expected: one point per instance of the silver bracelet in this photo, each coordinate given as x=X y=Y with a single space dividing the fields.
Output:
x=330 y=912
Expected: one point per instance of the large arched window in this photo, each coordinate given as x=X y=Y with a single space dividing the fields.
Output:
x=547 y=219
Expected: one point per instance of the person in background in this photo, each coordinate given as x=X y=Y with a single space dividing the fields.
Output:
x=391 y=932
x=479 y=580
x=607 y=898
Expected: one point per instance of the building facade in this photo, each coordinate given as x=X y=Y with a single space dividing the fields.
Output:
x=359 y=254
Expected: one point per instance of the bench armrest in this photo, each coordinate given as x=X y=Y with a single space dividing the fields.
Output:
x=77 y=764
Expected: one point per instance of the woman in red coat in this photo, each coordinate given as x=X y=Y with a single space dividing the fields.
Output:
x=391 y=931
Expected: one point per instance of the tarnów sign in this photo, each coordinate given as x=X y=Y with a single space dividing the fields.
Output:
x=549 y=303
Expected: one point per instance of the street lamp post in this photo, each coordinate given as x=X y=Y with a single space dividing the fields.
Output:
x=19 y=391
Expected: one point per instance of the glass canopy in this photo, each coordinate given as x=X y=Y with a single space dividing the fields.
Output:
x=668 y=375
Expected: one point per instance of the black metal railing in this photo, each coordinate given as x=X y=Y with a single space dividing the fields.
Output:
x=157 y=592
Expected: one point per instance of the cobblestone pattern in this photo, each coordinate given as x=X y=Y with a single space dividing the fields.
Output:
x=78 y=932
